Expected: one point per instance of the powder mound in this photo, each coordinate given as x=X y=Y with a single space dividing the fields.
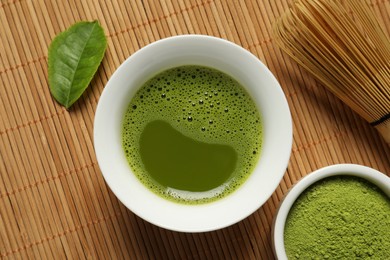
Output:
x=339 y=218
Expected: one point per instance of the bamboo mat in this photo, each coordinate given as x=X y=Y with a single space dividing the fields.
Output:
x=54 y=202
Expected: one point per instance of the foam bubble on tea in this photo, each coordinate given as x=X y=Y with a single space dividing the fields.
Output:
x=192 y=134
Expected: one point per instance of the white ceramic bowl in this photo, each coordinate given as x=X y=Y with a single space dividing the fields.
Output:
x=226 y=57
x=373 y=176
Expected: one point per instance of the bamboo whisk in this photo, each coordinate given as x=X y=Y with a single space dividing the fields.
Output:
x=343 y=45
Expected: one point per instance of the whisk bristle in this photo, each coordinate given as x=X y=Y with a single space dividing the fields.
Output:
x=343 y=45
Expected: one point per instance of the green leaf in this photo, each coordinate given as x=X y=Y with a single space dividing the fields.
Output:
x=74 y=57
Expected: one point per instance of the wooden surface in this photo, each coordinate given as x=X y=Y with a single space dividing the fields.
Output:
x=54 y=202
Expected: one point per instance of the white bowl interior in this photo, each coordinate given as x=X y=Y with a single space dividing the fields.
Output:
x=211 y=52
x=372 y=175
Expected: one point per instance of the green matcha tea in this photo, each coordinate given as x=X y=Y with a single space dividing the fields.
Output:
x=192 y=134
x=339 y=218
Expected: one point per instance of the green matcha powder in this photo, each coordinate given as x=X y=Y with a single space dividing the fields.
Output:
x=339 y=218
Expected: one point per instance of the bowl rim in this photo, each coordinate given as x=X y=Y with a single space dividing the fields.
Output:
x=374 y=176
x=244 y=209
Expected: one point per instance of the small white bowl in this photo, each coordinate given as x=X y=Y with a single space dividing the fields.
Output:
x=377 y=178
x=226 y=57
